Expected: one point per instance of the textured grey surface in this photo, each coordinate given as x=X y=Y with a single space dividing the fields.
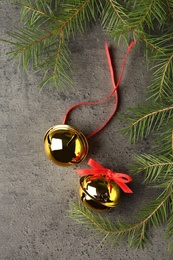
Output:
x=34 y=193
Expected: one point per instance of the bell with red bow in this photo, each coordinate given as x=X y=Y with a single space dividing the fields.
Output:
x=100 y=187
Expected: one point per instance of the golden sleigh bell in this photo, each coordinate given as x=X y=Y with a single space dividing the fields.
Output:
x=65 y=145
x=99 y=194
x=100 y=187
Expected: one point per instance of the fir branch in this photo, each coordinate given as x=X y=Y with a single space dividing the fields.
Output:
x=113 y=17
x=45 y=47
x=119 y=21
x=156 y=169
x=128 y=21
x=137 y=234
x=146 y=119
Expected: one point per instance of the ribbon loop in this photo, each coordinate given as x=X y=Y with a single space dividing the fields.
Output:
x=114 y=91
x=98 y=171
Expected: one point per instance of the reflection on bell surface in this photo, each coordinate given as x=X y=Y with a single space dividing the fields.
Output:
x=65 y=145
x=99 y=194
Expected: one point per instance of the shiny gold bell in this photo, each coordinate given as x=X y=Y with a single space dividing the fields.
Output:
x=99 y=194
x=65 y=145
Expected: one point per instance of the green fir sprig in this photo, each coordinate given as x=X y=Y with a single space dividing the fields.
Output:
x=158 y=170
x=137 y=234
x=42 y=41
x=147 y=118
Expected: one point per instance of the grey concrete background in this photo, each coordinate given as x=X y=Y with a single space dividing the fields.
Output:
x=34 y=193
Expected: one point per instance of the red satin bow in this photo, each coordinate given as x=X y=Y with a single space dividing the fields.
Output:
x=99 y=171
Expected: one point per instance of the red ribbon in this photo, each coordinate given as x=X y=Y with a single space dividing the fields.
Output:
x=115 y=87
x=98 y=171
